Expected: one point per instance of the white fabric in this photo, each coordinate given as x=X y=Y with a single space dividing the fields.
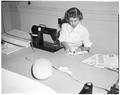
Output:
x=20 y=34
x=16 y=40
x=66 y=70
x=74 y=36
x=42 y=69
x=76 y=53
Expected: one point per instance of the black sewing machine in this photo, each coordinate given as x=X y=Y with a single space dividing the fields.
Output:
x=38 y=38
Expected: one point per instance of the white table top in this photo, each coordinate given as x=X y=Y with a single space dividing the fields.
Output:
x=21 y=62
x=16 y=83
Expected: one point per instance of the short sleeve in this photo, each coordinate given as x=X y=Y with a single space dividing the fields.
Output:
x=87 y=42
x=64 y=32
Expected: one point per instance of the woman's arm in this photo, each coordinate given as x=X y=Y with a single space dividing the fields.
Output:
x=65 y=45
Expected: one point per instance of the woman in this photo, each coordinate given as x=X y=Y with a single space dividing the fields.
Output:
x=73 y=35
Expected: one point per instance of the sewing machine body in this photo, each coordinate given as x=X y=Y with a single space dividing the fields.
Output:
x=38 y=38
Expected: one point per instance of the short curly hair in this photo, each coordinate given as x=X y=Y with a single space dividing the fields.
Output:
x=73 y=12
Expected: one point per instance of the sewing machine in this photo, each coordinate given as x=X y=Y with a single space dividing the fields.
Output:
x=37 y=38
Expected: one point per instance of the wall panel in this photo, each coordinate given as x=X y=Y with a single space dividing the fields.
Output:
x=101 y=18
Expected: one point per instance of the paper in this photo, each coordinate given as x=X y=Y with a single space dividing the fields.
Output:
x=103 y=60
x=10 y=48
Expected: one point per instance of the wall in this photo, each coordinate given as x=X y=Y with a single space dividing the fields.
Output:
x=101 y=18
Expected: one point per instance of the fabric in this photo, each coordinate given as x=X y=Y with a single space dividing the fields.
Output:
x=15 y=40
x=76 y=53
x=74 y=36
x=20 y=34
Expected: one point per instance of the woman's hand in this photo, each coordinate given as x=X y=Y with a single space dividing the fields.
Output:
x=87 y=49
x=81 y=48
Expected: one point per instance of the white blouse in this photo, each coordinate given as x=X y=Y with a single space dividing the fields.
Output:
x=74 y=36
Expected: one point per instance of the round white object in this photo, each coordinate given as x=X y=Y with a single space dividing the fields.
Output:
x=42 y=69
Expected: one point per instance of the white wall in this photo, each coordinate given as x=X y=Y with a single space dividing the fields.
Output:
x=101 y=18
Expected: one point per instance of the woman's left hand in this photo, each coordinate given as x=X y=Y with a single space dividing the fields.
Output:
x=82 y=49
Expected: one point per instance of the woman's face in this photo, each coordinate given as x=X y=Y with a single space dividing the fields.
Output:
x=74 y=21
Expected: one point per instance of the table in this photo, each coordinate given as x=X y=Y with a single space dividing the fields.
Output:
x=21 y=61
x=16 y=83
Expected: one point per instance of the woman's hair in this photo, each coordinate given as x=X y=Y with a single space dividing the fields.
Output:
x=73 y=12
